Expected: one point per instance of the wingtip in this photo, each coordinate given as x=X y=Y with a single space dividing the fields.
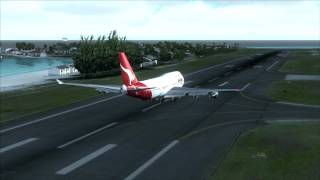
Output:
x=59 y=82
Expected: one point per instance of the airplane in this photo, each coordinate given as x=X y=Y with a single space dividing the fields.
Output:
x=166 y=86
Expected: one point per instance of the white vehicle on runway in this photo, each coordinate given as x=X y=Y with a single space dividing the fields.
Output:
x=166 y=86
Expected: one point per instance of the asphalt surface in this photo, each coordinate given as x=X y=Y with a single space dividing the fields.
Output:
x=118 y=137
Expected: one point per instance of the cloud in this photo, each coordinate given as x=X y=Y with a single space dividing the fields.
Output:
x=197 y=20
x=161 y=19
x=83 y=8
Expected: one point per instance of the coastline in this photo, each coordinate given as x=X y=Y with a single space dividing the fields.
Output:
x=34 y=57
x=28 y=79
x=23 y=80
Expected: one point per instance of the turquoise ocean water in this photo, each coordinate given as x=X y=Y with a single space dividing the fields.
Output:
x=16 y=65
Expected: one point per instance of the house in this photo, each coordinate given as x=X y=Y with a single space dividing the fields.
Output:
x=31 y=52
x=73 y=49
x=43 y=54
x=187 y=53
x=157 y=50
x=13 y=51
x=63 y=70
x=171 y=54
x=72 y=69
x=148 y=60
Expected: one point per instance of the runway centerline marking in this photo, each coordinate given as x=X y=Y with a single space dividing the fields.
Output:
x=85 y=159
x=151 y=161
x=150 y=107
x=57 y=114
x=86 y=135
x=210 y=67
x=222 y=84
x=271 y=66
x=245 y=87
x=213 y=79
x=18 y=144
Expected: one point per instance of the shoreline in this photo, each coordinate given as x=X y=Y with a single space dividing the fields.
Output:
x=34 y=57
x=23 y=80
x=27 y=80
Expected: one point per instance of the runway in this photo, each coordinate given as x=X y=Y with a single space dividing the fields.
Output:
x=118 y=137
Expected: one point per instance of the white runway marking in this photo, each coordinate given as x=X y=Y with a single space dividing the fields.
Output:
x=271 y=66
x=85 y=159
x=297 y=104
x=57 y=114
x=151 y=161
x=150 y=107
x=245 y=87
x=213 y=79
x=86 y=135
x=18 y=144
x=222 y=84
x=229 y=66
x=297 y=77
x=210 y=67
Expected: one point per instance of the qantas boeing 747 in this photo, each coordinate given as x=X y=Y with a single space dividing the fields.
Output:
x=166 y=86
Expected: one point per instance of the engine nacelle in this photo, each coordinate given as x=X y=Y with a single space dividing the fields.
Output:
x=213 y=94
x=123 y=89
x=102 y=91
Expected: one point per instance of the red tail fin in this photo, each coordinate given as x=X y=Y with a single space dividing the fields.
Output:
x=127 y=74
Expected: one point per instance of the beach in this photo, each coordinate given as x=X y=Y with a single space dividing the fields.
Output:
x=17 y=73
x=24 y=80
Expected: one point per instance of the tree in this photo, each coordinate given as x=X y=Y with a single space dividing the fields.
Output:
x=101 y=54
x=149 y=49
x=29 y=46
x=24 y=46
x=45 y=46
x=20 y=45
x=164 y=54
x=198 y=50
x=179 y=54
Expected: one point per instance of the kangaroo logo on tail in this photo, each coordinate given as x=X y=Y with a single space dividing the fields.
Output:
x=129 y=74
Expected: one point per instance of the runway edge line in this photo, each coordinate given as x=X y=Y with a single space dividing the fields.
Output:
x=56 y=114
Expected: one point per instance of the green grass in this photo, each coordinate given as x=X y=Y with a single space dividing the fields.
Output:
x=25 y=102
x=305 y=92
x=302 y=62
x=19 y=103
x=292 y=152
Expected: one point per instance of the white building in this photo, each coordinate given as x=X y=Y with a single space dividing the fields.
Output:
x=148 y=60
x=63 y=70
x=13 y=51
x=43 y=54
x=72 y=69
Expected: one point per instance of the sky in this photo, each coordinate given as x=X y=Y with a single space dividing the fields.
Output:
x=161 y=20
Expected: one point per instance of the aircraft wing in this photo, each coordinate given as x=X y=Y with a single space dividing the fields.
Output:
x=184 y=91
x=101 y=88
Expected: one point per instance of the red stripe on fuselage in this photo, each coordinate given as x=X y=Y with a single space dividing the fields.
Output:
x=145 y=94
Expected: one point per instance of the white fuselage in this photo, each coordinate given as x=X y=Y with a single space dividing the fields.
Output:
x=162 y=84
